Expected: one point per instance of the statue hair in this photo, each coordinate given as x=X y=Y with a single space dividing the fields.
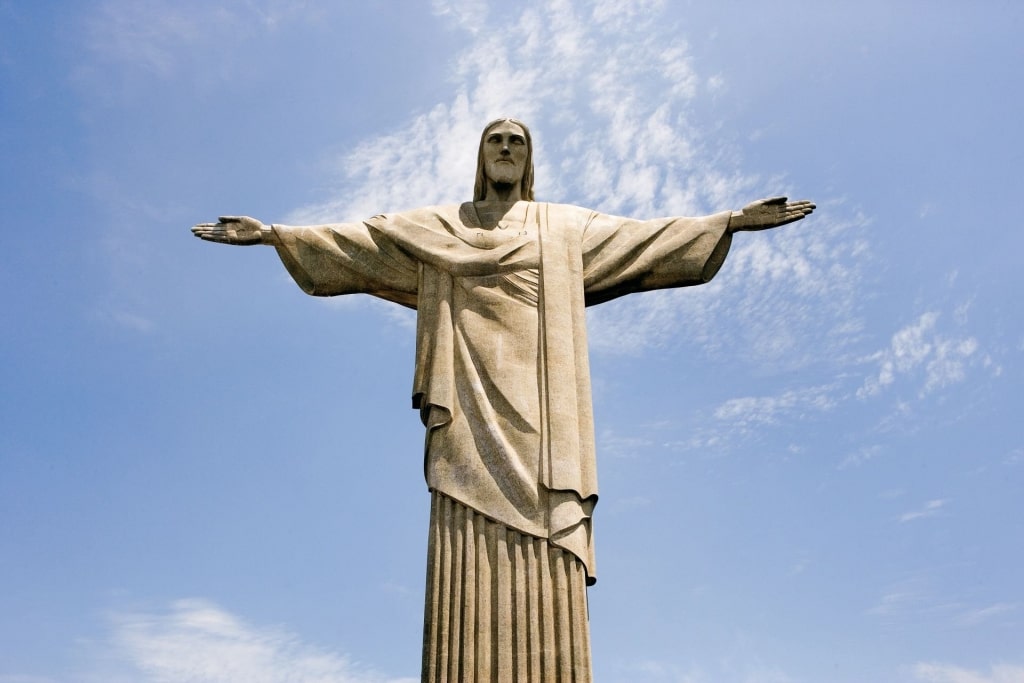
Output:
x=526 y=185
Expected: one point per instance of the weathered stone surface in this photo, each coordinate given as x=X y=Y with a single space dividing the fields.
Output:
x=503 y=387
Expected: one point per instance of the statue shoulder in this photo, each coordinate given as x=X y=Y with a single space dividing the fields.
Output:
x=567 y=213
x=566 y=208
x=424 y=215
x=429 y=211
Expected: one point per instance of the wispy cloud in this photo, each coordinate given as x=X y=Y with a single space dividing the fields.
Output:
x=653 y=670
x=737 y=420
x=164 y=39
x=920 y=352
x=129 y=321
x=468 y=14
x=195 y=640
x=621 y=446
x=861 y=456
x=979 y=615
x=918 y=349
x=913 y=598
x=627 y=504
x=608 y=89
x=929 y=597
x=896 y=602
x=929 y=509
x=947 y=673
x=553 y=65
x=741 y=667
x=784 y=299
x=751 y=411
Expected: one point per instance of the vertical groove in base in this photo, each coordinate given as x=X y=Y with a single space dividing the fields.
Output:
x=501 y=606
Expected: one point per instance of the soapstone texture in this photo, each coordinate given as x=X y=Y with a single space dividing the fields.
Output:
x=502 y=384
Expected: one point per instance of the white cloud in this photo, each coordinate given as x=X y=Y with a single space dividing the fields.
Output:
x=552 y=66
x=742 y=668
x=786 y=298
x=895 y=602
x=130 y=321
x=609 y=101
x=618 y=446
x=768 y=676
x=929 y=509
x=920 y=598
x=860 y=456
x=909 y=348
x=947 y=365
x=128 y=258
x=166 y=39
x=752 y=411
x=629 y=503
x=915 y=597
x=737 y=420
x=800 y=566
x=614 y=12
x=981 y=614
x=659 y=670
x=919 y=347
x=197 y=641
x=947 y=673
x=468 y=14
x=960 y=313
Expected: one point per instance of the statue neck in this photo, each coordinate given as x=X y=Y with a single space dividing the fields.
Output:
x=503 y=192
x=498 y=214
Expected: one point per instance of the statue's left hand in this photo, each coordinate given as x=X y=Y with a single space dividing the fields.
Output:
x=769 y=213
x=240 y=230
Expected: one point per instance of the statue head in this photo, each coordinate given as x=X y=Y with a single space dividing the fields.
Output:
x=482 y=173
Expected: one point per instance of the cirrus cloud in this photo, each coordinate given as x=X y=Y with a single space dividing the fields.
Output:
x=946 y=673
x=199 y=642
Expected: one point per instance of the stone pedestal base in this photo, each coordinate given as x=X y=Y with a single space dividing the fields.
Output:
x=501 y=606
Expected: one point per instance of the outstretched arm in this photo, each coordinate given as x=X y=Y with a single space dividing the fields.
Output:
x=327 y=260
x=238 y=230
x=768 y=213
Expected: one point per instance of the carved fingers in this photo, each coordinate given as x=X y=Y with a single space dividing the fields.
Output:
x=794 y=211
x=769 y=213
x=239 y=230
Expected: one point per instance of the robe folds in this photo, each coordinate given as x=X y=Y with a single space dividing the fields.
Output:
x=502 y=379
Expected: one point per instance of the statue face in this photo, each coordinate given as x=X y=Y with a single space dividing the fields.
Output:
x=505 y=153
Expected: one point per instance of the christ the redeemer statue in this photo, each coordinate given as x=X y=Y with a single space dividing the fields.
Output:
x=502 y=384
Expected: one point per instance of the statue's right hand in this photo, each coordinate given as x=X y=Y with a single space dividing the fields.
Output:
x=240 y=230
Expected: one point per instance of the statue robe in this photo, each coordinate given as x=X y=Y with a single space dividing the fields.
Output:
x=503 y=387
x=502 y=378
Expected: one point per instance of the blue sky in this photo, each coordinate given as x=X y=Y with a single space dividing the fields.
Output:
x=810 y=468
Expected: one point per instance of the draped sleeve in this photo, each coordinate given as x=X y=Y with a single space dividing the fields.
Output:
x=349 y=258
x=383 y=256
x=623 y=255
